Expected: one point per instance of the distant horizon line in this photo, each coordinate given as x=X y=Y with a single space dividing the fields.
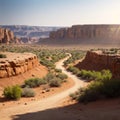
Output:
x=53 y=25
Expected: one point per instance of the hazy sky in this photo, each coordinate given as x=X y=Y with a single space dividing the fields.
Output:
x=59 y=12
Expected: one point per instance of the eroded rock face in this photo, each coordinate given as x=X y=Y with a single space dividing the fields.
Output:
x=6 y=36
x=17 y=63
x=98 y=61
x=109 y=33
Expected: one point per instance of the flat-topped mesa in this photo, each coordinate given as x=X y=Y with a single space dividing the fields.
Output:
x=7 y=36
x=97 y=60
x=17 y=63
x=88 y=32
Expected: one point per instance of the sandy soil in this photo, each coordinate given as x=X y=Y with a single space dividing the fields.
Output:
x=59 y=107
x=40 y=94
x=39 y=71
x=43 y=104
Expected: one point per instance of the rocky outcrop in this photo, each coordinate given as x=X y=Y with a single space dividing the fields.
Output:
x=17 y=63
x=23 y=31
x=110 y=33
x=7 y=36
x=98 y=61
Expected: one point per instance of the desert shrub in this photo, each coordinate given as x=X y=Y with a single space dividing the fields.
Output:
x=13 y=92
x=42 y=81
x=55 y=82
x=74 y=70
x=111 y=88
x=47 y=63
x=73 y=96
x=91 y=93
x=58 y=70
x=103 y=86
x=28 y=92
x=75 y=55
x=62 y=76
x=106 y=74
x=49 y=76
x=34 y=82
x=85 y=74
x=93 y=75
x=99 y=89
x=3 y=56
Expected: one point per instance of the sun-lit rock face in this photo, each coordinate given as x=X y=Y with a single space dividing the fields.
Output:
x=17 y=63
x=96 y=60
x=7 y=36
x=109 y=33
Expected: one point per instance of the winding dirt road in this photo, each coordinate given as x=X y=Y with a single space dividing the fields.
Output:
x=47 y=103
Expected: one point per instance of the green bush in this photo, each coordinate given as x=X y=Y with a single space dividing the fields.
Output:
x=74 y=70
x=62 y=76
x=28 y=92
x=49 y=76
x=111 y=88
x=34 y=82
x=58 y=70
x=75 y=55
x=13 y=92
x=100 y=89
x=91 y=93
x=93 y=75
x=3 y=56
x=47 y=63
x=55 y=82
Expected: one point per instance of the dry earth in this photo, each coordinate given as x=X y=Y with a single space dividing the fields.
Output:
x=59 y=107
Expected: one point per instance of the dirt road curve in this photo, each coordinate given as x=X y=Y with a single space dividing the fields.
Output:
x=48 y=103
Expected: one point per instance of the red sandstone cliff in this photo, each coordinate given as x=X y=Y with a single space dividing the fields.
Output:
x=17 y=63
x=109 y=33
x=7 y=36
x=97 y=61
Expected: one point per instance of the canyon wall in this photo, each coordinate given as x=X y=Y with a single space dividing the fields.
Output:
x=17 y=63
x=109 y=33
x=7 y=36
x=98 y=61
x=24 y=31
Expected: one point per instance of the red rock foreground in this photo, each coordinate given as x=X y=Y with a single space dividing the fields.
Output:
x=97 y=60
x=17 y=63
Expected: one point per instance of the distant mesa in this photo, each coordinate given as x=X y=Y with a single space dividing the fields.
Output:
x=88 y=34
x=77 y=34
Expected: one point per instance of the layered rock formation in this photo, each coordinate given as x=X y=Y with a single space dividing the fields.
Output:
x=98 y=61
x=23 y=31
x=110 y=33
x=17 y=63
x=7 y=36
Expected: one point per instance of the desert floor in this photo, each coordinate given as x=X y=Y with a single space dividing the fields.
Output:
x=59 y=106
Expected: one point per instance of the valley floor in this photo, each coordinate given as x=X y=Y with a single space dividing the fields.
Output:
x=59 y=106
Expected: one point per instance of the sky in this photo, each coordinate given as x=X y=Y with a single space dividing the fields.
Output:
x=59 y=12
